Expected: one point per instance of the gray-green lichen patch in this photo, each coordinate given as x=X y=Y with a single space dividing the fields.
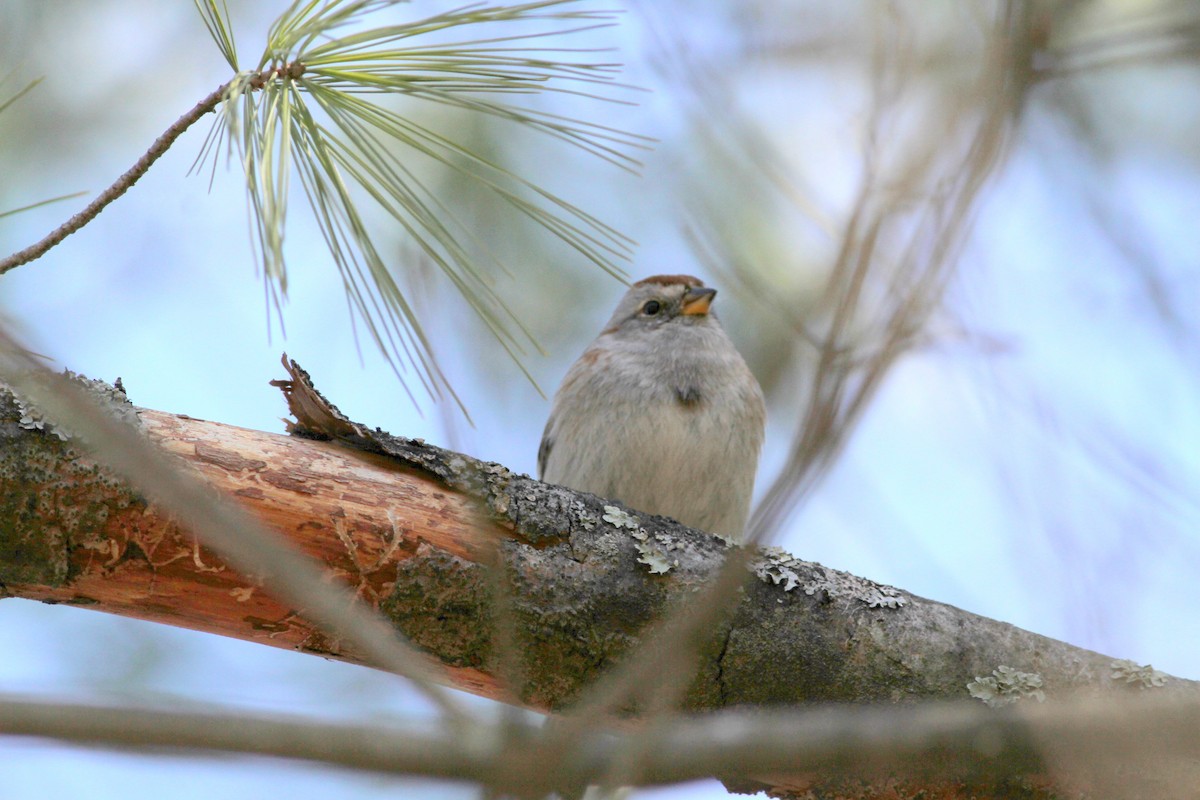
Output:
x=31 y=419
x=652 y=551
x=110 y=395
x=575 y=607
x=777 y=566
x=51 y=498
x=1142 y=676
x=1006 y=686
x=620 y=518
x=441 y=603
x=654 y=557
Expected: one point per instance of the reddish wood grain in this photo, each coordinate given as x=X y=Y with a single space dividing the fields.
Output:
x=355 y=513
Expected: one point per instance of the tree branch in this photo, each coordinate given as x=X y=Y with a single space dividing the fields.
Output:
x=409 y=533
x=118 y=187
x=235 y=536
x=411 y=529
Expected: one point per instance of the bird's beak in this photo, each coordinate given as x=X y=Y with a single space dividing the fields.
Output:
x=697 y=300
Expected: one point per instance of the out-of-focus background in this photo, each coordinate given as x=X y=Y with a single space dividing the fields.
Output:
x=1034 y=458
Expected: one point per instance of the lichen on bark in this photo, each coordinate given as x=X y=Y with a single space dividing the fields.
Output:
x=52 y=497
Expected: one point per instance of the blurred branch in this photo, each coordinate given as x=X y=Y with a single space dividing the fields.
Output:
x=41 y=203
x=901 y=240
x=655 y=678
x=4 y=105
x=1140 y=38
x=1140 y=745
x=17 y=95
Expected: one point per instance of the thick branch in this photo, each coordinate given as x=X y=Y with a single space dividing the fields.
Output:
x=77 y=536
x=411 y=527
x=415 y=548
x=103 y=415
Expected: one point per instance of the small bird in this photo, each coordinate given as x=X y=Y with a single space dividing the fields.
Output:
x=660 y=412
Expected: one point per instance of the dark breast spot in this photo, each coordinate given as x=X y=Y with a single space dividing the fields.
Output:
x=688 y=396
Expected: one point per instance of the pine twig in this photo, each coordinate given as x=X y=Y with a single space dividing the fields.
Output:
x=118 y=187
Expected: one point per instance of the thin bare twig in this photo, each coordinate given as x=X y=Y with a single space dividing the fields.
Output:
x=118 y=187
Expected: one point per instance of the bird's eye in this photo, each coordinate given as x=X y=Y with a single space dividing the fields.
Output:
x=651 y=308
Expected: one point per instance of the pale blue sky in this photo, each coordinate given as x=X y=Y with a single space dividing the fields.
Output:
x=972 y=480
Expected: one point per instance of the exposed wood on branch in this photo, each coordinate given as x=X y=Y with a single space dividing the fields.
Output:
x=76 y=536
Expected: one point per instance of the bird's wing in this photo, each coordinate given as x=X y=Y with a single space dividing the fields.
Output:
x=545 y=447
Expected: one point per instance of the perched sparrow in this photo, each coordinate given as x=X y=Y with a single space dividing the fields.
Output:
x=660 y=412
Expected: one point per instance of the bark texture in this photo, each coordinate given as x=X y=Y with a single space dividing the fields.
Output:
x=411 y=528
